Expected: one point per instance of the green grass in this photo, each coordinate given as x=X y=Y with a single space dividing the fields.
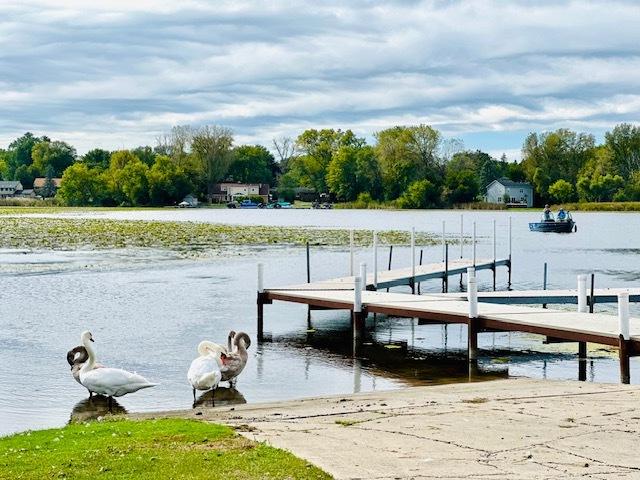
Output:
x=153 y=449
x=600 y=206
x=189 y=238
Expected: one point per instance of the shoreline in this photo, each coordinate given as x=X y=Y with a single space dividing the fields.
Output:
x=514 y=428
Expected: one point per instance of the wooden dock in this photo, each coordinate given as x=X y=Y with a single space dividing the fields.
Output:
x=481 y=312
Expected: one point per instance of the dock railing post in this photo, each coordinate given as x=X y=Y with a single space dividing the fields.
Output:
x=474 y=244
x=445 y=279
x=260 y=302
x=592 y=296
x=493 y=267
x=582 y=293
x=375 y=260
x=509 y=281
x=308 y=264
x=351 y=255
x=443 y=239
x=357 y=319
x=413 y=260
x=472 y=298
x=623 y=339
x=390 y=258
x=363 y=275
x=420 y=264
x=461 y=242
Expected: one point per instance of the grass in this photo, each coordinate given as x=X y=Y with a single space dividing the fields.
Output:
x=153 y=449
x=601 y=206
x=189 y=238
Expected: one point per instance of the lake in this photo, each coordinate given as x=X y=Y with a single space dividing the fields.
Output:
x=148 y=309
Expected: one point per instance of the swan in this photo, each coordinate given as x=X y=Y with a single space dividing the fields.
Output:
x=233 y=362
x=204 y=372
x=112 y=382
x=76 y=357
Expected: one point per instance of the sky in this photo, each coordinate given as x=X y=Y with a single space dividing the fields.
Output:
x=118 y=74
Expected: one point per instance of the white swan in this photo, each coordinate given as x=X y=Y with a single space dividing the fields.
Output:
x=112 y=382
x=204 y=372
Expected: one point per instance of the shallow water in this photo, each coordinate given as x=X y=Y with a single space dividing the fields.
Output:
x=148 y=309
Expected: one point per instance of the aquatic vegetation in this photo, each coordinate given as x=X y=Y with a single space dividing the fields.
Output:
x=186 y=237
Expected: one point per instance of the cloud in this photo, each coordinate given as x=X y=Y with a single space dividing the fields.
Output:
x=118 y=74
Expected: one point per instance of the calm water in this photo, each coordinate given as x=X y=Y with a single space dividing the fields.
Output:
x=148 y=310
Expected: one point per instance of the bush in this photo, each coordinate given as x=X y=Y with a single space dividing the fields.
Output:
x=420 y=194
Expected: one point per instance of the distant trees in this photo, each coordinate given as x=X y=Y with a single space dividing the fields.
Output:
x=211 y=147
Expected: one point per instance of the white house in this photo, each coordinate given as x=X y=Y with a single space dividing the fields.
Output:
x=512 y=193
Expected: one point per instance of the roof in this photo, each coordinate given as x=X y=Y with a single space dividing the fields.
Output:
x=510 y=183
x=10 y=184
x=40 y=182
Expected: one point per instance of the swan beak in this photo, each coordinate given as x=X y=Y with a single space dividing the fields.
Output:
x=92 y=339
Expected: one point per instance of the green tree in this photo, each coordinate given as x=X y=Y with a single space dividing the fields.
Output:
x=146 y=154
x=82 y=186
x=420 y=194
x=460 y=186
x=4 y=164
x=168 y=183
x=96 y=157
x=19 y=160
x=57 y=155
x=211 y=146
x=353 y=170
x=253 y=164
x=624 y=144
x=561 y=191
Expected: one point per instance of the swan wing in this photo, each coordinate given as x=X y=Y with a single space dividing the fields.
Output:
x=206 y=347
x=204 y=373
x=113 y=382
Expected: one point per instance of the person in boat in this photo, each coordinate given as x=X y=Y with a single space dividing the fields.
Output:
x=546 y=214
x=562 y=215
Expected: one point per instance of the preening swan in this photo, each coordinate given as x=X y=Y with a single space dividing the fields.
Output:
x=76 y=357
x=204 y=372
x=112 y=382
x=234 y=361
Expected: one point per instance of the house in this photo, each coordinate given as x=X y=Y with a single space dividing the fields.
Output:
x=40 y=182
x=515 y=194
x=10 y=188
x=228 y=191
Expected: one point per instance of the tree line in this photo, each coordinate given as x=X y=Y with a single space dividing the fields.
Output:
x=407 y=166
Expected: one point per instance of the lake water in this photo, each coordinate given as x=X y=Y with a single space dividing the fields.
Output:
x=148 y=309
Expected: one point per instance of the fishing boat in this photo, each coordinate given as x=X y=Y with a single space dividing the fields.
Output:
x=567 y=225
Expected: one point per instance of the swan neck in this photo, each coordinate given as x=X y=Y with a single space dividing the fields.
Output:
x=89 y=364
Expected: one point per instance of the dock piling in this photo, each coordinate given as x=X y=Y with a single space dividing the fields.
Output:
x=363 y=275
x=443 y=239
x=623 y=339
x=474 y=244
x=461 y=243
x=260 y=302
x=375 y=260
x=445 y=280
x=390 y=258
x=544 y=281
x=358 y=316
x=351 y=255
x=509 y=264
x=420 y=263
x=592 y=297
x=582 y=293
x=472 y=297
x=413 y=260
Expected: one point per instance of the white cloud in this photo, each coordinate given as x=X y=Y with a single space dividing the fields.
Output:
x=119 y=73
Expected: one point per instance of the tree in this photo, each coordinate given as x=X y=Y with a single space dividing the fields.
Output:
x=624 y=144
x=19 y=160
x=49 y=188
x=168 y=183
x=82 y=185
x=285 y=149
x=57 y=155
x=211 y=146
x=253 y=164
x=420 y=194
x=561 y=191
x=96 y=157
x=398 y=164
x=146 y=155
x=460 y=186
x=354 y=170
x=133 y=183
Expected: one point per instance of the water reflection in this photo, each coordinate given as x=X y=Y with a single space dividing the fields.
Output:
x=94 y=407
x=224 y=396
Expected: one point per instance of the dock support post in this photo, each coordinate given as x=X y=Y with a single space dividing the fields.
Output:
x=413 y=260
x=363 y=275
x=260 y=326
x=582 y=293
x=358 y=316
x=443 y=239
x=308 y=281
x=509 y=264
x=582 y=361
x=420 y=263
x=351 y=255
x=623 y=339
x=592 y=297
x=375 y=260
x=474 y=244
x=390 y=258
x=493 y=267
x=445 y=279
x=544 y=281
x=461 y=243
x=472 y=298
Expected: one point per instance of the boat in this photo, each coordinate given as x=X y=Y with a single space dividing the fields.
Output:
x=555 y=226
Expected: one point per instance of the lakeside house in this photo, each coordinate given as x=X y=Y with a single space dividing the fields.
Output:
x=40 y=183
x=10 y=188
x=513 y=194
x=228 y=191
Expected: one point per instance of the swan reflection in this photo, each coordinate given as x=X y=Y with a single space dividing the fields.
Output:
x=94 y=407
x=223 y=396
